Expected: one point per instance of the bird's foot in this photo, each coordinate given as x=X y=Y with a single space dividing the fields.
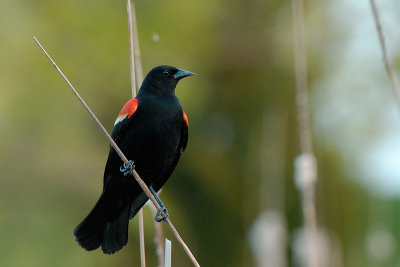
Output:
x=162 y=214
x=127 y=168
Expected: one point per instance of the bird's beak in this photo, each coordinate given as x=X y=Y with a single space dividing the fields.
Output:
x=182 y=74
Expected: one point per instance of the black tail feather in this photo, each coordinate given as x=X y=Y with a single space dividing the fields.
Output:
x=116 y=233
x=137 y=204
x=94 y=231
x=89 y=233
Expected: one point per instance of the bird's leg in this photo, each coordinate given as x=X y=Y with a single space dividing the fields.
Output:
x=162 y=214
x=127 y=168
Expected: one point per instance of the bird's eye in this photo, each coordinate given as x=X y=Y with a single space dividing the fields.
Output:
x=166 y=72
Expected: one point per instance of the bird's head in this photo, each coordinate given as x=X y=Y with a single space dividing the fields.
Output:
x=163 y=79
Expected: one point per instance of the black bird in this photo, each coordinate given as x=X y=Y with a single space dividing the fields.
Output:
x=152 y=131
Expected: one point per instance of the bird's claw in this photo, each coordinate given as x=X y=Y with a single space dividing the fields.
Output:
x=127 y=168
x=161 y=215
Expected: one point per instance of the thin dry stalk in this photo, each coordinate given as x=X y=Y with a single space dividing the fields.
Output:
x=305 y=164
x=138 y=60
x=122 y=156
x=139 y=80
x=301 y=77
x=133 y=81
x=159 y=243
x=141 y=240
x=386 y=58
x=131 y=53
x=159 y=239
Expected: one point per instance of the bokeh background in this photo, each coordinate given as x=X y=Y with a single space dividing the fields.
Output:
x=234 y=183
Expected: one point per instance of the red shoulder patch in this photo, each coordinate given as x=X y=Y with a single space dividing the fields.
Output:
x=127 y=110
x=130 y=107
x=185 y=119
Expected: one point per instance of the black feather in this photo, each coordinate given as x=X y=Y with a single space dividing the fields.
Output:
x=154 y=137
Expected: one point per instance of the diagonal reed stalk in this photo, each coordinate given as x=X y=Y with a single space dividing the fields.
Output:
x=386 y=58
x=122 y=156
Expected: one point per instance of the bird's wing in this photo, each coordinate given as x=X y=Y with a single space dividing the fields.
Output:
x=123 y=118
x=122 y=121
x=142 y=198
x=181 y=147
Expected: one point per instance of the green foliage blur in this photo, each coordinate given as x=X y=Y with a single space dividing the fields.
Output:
x=241 y=110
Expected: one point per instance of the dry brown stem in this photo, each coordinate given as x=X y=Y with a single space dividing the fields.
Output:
x=138 y=60
x=305 y=164
x=386 y=58
x=131 y=53
x=133 y=81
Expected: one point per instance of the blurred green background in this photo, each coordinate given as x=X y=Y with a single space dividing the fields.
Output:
x=238 y=167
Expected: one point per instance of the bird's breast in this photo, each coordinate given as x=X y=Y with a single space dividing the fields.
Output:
x=154 y=138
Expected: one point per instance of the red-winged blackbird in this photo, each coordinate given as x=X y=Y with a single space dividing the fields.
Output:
x=152 y=131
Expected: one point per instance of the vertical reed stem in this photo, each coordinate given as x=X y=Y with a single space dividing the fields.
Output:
x=133 y=81
x=305 y=163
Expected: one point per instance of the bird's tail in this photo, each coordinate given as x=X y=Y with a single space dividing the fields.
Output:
x=95 y=231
